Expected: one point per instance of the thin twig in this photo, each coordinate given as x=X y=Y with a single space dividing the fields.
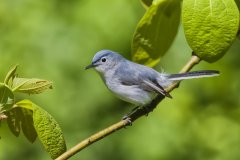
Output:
x=132 y=117
x=3 y=116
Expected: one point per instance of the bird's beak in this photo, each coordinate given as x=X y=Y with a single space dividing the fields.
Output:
x=89 y=66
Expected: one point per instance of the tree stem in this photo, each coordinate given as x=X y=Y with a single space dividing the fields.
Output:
x=132 y=116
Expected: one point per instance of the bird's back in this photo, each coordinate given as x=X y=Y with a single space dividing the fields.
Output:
x=132 y=73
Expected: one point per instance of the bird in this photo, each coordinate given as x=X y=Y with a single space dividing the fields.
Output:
x=135 y=83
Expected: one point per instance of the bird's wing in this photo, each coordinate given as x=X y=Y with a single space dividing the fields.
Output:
x=156 y=87
x=142 y=76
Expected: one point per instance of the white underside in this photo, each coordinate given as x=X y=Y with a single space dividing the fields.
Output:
x=132 y=94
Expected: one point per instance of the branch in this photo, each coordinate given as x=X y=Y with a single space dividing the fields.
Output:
x=3 y=116
x=132 y=116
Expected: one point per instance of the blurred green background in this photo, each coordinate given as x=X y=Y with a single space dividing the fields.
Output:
x=55 y=39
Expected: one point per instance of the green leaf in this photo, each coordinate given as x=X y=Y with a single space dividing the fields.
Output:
x=21 y=118
x=14 y=121
x=238 y=5
x=27 y=126
x=210 y=26
x=25 y=104
x=155 y=32
x=48 y=130
x=26 y=115
x=31 y=86
x=11 y=74
x=6 y=97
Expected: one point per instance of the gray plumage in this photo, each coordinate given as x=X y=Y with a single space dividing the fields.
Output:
x=135 y=83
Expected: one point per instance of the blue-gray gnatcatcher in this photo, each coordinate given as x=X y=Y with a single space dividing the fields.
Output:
x=135 y=83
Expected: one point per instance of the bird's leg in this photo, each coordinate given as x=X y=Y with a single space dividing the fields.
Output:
x=147 y=110
x=132 y=111
x=127 y=116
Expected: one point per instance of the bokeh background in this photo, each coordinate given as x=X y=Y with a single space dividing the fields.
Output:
x=56 y=39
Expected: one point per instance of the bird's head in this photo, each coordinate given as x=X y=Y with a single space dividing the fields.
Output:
x=105 y=60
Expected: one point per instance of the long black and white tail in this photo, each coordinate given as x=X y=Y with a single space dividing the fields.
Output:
x=194 y=74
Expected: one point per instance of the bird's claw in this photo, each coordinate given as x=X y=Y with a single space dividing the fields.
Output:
x=128 y=119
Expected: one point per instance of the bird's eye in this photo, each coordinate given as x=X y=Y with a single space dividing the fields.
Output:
x=103 y=59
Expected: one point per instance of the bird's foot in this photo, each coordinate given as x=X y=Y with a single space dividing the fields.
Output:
x=128 y=119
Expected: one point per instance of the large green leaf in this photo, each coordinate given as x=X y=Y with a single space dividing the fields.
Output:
x=31 y=86
x=27 y=126
x=6 y=97
x=238 y=4
x=48 y=130
x=21 y=118
x=14 y=121
x=210 y=26
x=156 y=31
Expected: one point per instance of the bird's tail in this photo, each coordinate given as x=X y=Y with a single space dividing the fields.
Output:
x=194 y=74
